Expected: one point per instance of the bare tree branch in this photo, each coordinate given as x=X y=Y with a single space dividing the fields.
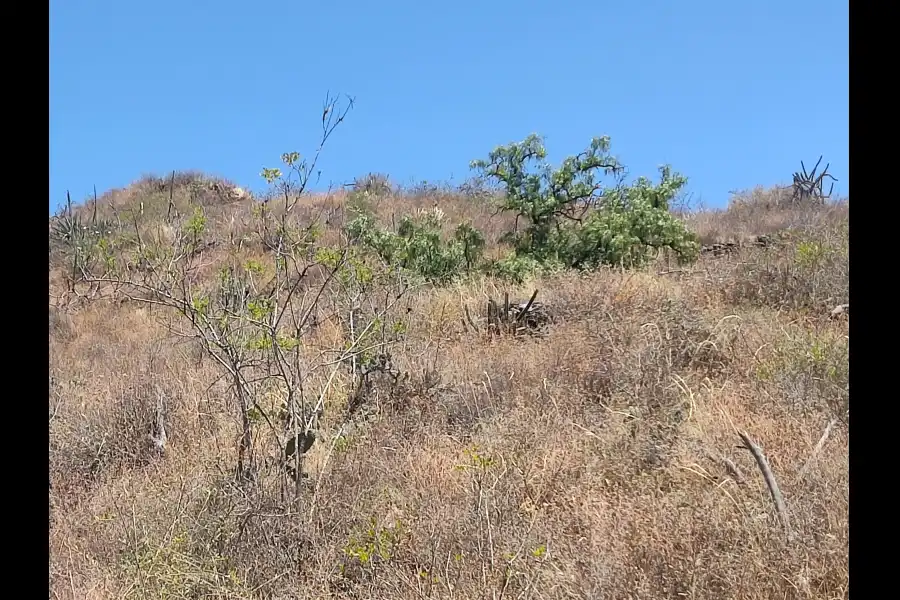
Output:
x=769 y=478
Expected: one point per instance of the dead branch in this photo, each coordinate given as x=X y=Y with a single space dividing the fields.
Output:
x=527 y=308
x=818 y=448
x=514 y=317
x=769 y=478
x=807 y=186
x=170 y=211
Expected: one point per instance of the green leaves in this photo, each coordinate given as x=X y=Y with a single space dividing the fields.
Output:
x=196 y=225
x=575 y=220
x=290 y=158
x=571 y=218
x=633 y=224
x=271 y=175
x=418 y=245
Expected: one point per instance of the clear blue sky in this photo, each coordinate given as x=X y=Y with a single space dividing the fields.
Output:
x=732 y=94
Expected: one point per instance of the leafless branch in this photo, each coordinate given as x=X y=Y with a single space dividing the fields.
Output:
x=769 y=478
x=818 y=448
x=808 y=186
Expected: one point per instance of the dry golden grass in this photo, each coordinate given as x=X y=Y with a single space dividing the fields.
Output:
x=598 y=461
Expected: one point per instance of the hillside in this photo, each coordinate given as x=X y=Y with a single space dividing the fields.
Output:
x=590 y=449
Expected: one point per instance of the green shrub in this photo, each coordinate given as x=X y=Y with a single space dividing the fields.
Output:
x=573 y=220
x=418 y=246
x=518 y=268
x=81 y=244
x=632 y=225
x=809 y=371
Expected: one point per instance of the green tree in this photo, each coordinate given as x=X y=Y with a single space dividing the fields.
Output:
x=572 y=219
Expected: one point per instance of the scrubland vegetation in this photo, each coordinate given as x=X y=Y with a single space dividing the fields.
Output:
x=325 y=395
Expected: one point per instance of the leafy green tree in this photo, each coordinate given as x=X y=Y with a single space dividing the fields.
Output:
x=545 y=196
x=574 y=220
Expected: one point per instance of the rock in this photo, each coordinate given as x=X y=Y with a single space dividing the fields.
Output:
x=840 y=309
x=239 y=193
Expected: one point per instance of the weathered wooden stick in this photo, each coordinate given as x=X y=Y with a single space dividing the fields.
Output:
x=505 y=316
x=769 y=478
x=818 y=448
x=527 y=306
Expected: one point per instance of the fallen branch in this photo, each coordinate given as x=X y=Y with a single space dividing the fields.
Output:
x=769 y=478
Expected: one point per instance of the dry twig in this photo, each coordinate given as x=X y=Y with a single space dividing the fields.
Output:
x=818 y=448
x=769 y=478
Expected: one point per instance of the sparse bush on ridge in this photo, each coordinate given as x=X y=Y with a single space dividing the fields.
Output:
x=373 y=183
x=267 y=400
x=569 y=219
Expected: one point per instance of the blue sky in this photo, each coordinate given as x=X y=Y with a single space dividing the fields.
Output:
x=732 y=94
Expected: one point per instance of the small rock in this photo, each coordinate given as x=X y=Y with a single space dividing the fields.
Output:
x=840 y=309
x=240 y=193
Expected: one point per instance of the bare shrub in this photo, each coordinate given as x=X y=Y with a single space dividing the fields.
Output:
x=86 y=447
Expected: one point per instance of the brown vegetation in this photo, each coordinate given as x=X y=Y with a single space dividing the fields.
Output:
x=601 y=459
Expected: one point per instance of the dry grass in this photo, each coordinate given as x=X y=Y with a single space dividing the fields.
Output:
x=598 y=461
